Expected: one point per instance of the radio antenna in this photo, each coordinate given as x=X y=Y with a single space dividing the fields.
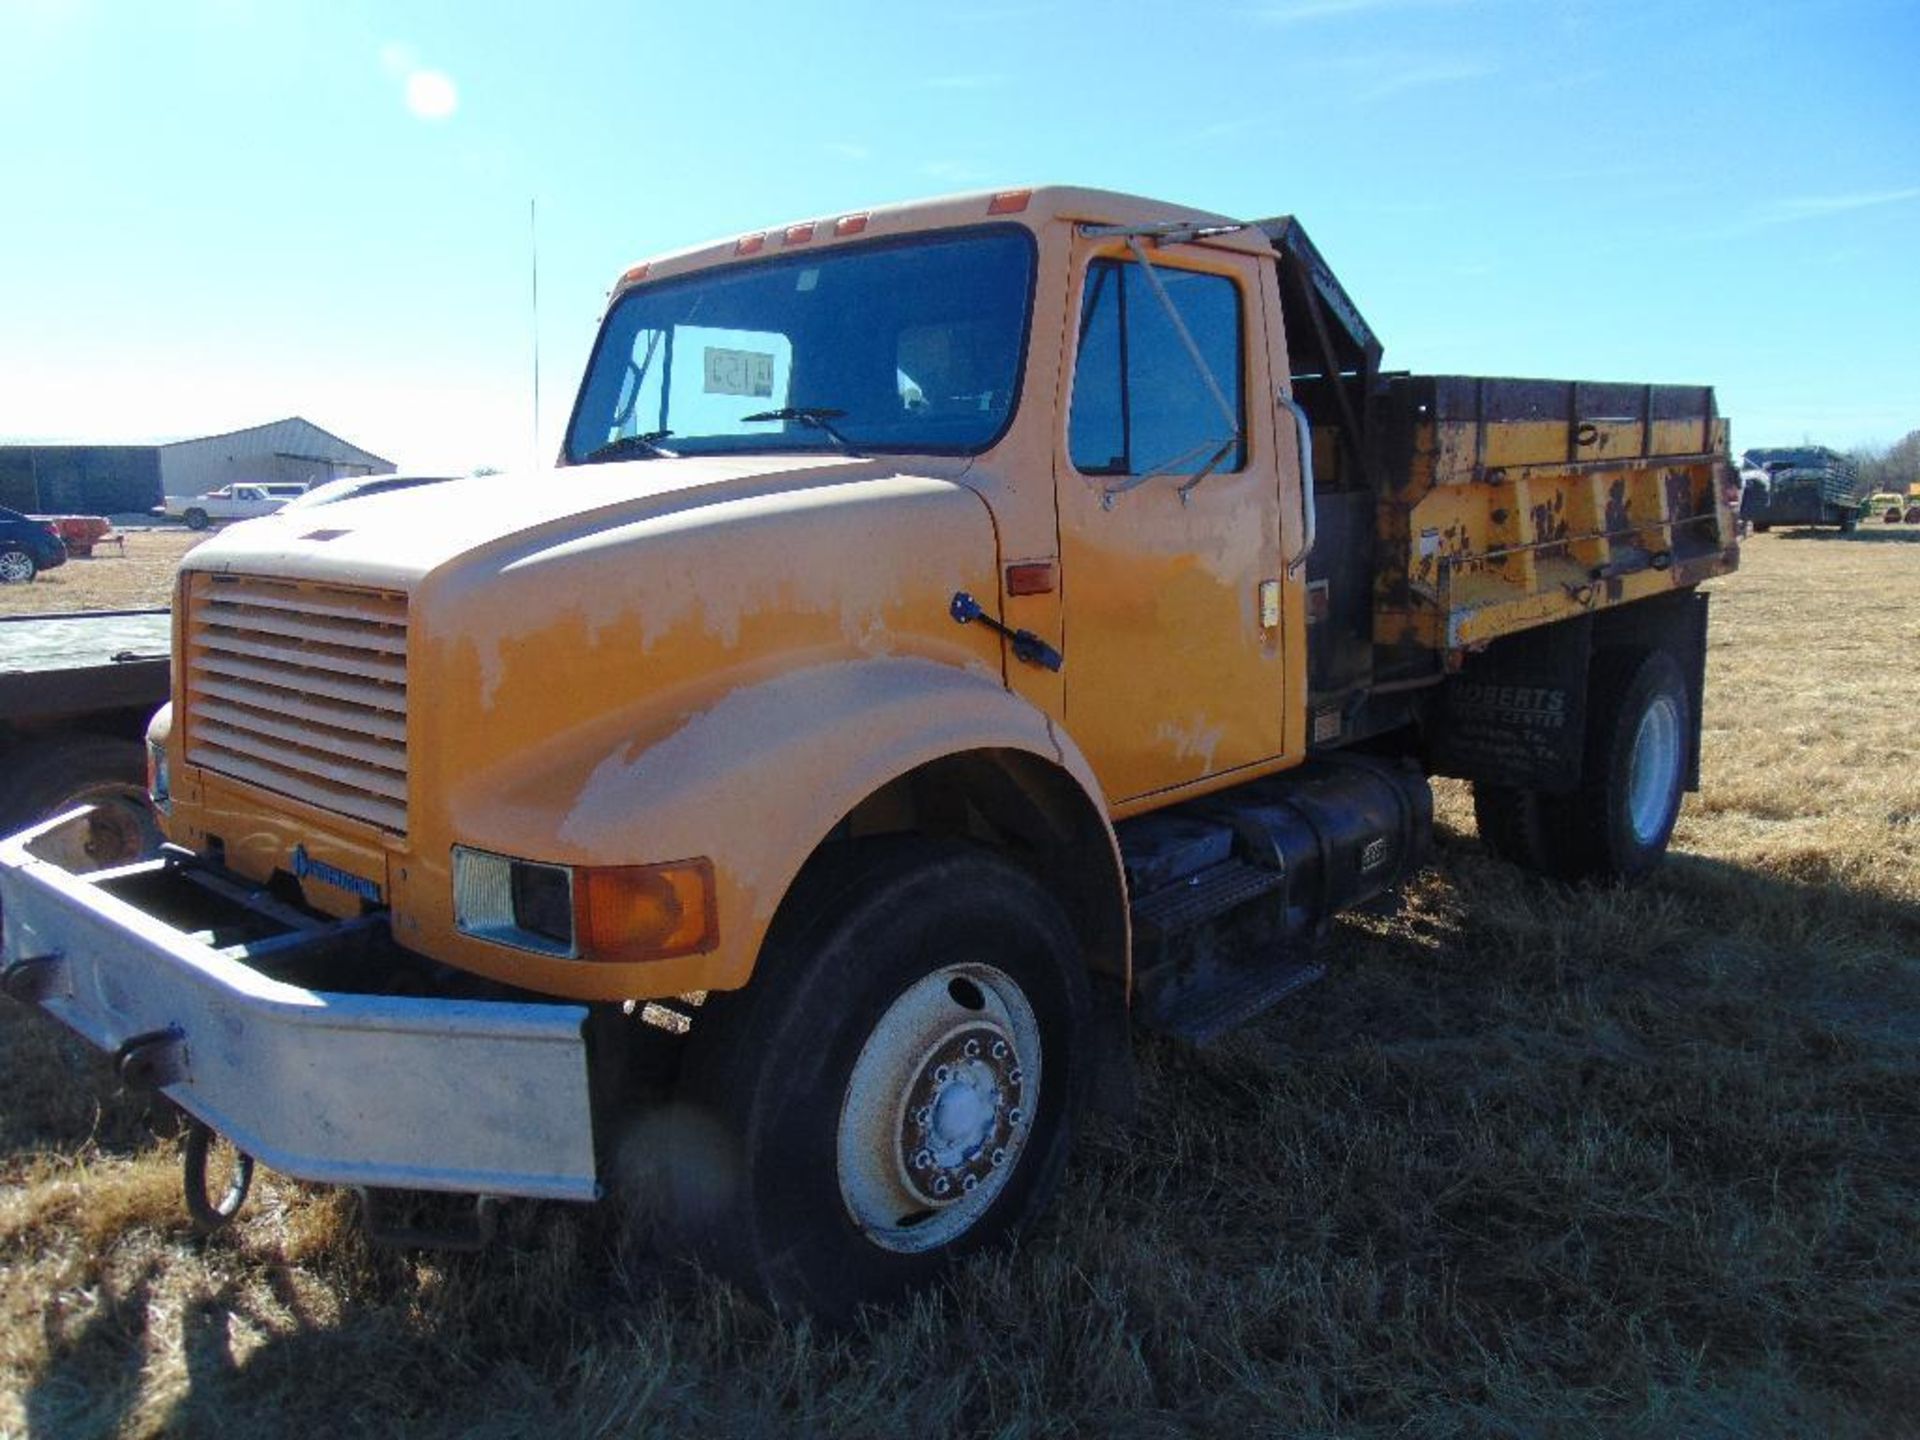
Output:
x=533 y=251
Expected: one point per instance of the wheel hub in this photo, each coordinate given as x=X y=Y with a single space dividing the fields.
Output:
x=960 y=1115
x=939 y=1107
x=1653 y=768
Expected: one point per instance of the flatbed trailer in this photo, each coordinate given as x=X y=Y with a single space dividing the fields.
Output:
x=76 y=693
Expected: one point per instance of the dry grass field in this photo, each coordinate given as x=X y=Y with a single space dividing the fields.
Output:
x=111 y=579
x=1531 y=1162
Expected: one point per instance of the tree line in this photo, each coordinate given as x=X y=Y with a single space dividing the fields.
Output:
x=1894 y=468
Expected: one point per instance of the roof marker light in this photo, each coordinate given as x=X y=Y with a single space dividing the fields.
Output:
x=1009 y=202
x=750 y=244
x=635 y=275
x=849 y=224
x=797 y=234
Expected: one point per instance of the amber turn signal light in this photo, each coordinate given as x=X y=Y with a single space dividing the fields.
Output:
x=626 y=913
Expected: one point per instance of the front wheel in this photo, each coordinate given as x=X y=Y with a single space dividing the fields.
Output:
x=894 y=1089
x=16 y=566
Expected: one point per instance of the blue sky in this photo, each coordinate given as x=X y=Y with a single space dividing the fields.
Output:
x=219 y=212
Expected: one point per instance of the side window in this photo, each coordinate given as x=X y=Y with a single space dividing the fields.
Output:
x=1140 y=404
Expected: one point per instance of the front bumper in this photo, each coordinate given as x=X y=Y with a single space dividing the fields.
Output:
x=390 y=1091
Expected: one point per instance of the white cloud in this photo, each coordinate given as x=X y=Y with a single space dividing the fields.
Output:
x=1815 y=207
x=1302 y=12
x=966 y=82
x=1392 y=79
x=954 y=171
x=431 y=95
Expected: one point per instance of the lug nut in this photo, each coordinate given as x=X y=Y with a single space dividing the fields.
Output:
x=972 y=1048
x=999 y=1051
x=999 y=1158
x=923 y=1159
x=942 y=1185
x=1016 y=1116
x=967 y=1185
x=942 y=1074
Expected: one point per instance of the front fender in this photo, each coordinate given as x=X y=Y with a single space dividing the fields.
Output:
x=753 y=783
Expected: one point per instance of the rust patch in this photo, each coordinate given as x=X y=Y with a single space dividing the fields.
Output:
x=1679 y=495
x=1619 y=517
x=1550 y=526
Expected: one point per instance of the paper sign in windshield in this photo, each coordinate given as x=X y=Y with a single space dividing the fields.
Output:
x=739 y=372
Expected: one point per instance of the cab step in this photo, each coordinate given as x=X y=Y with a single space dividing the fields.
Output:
x=1202 y=1005
x=1202 y=896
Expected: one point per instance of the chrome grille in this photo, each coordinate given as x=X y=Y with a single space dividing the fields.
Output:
x=301 y=689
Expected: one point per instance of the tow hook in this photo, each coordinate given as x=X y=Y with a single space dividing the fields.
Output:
x=209 y=1214
x=153 y=1059
x=31 y=980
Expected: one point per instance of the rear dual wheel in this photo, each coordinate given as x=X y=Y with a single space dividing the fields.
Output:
x=895 y=1088
x=1616 y=826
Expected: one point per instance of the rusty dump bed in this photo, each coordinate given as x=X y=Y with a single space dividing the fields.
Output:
x=1505 y=504
x=1455 y=509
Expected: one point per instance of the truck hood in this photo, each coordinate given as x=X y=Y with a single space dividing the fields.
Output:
x=394 y=540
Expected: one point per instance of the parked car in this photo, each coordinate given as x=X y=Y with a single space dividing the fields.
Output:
x=27 y=547
x=354 y=486
x=229 y=502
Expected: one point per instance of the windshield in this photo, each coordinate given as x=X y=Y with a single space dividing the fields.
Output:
x=913 y=345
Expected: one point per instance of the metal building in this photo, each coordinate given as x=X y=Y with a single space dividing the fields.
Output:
x=77 y=478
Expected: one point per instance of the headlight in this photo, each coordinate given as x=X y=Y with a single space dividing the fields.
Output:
x=513 y=902
x=159 y=776
x=619 y=913
x=159 y=779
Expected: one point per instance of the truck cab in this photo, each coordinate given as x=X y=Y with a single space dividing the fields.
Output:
x=951 y=633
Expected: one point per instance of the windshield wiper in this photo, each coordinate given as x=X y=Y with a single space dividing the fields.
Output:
x=647 y=444
x=815 y=416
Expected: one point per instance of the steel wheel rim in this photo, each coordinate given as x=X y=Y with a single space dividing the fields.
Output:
x=1653 y=769
x=939 y=1108
x=15 y=566
x=120 y=830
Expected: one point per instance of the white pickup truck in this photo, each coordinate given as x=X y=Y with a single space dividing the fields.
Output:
x=229 y=502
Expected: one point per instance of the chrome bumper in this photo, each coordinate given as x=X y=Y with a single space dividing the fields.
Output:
x=397 y=1092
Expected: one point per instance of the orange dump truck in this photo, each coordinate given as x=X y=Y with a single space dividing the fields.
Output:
x=953 y=633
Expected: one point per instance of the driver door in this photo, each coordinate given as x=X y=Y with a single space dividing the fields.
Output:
x=1172 y=570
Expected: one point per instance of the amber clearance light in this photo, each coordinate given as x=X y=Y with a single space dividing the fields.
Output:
x=645 y=912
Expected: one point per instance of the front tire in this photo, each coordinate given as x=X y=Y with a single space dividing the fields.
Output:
x=895 y=1089
x=16 y=565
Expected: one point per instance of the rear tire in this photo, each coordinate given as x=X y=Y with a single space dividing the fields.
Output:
x=196 y=518
x=896 y=1087
x=1616 y=826
x=17 y=566
x=1512 y=826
